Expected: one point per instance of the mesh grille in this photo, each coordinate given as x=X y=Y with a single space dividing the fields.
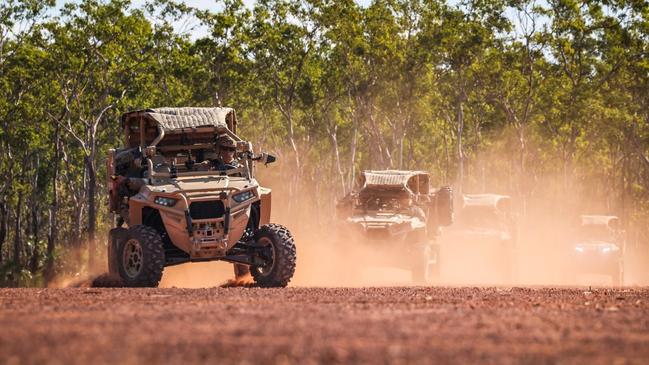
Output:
x=207 y=209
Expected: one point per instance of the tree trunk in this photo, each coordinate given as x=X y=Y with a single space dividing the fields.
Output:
x=76 y=233
x=291 y=139
x=379 y=142
x=18 y=238
x=36 y=252
x=522 y=179
x=334 y=141
x=92 y=213
x=460 y=148
x=54 y=207
x=405 y=122
x=4 y=224
x=447 y=160
x=35 y=221
x=352 y=160
x=401 y=139
x=294 y=181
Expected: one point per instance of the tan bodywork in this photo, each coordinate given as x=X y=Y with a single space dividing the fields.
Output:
x=484 y=218
x=168 y=137
x=208 y=239
x=394 y=218
x=600 y=233
x=391 y=205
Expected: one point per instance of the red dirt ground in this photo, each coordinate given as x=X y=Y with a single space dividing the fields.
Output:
x=411 y=325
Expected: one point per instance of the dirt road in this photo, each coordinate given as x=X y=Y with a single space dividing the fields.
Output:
x=312 y=325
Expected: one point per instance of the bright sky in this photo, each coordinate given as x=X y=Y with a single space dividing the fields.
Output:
x=205 y=4
x=189 y=27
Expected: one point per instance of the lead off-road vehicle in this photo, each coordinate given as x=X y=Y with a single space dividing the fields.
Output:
x=171 y=205
x=396 y=215
x=597 y=247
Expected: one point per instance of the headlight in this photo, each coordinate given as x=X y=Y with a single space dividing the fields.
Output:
x=164 y=201
x=579 y=249
x=242 y=197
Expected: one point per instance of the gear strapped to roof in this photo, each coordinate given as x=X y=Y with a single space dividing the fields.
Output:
x=170 y=119
x=604 y=220
x=389 y=177
x=484 y=200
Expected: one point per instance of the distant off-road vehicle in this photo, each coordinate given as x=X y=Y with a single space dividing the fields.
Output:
x=183 y=189
x=397 y=215
x=487 y=223
x=597 y=247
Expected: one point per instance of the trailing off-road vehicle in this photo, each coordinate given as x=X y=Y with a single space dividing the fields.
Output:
x=397 y=215
x=183 y=189
x=487 y=227
x=597 y=247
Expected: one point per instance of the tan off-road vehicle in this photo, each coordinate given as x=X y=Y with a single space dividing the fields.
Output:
x=174 y=200
x=397 y=215
x=487 y=226
x=597 y=247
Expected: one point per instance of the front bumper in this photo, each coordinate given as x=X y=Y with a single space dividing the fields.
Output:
x=595 y=263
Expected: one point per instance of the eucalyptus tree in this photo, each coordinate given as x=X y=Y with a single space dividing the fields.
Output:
x=224 y=72
x=98 y=52
x=19 y=141
x=282 y=37
x=346 y=79
x=458 y=38
x=617 y=134
x=513 y=75
x=574 y=91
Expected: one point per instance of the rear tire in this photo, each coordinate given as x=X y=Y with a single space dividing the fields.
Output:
x=426 y=267
x=617 y=276
x=141 y=257
x=116 y=237
x=280 y=256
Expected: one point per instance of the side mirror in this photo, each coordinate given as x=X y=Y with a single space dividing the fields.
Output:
x=267 y=158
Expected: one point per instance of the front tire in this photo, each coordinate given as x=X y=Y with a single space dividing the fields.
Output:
x=141 y=257
x=508 y=263
x=444 y=206
x=279 y=254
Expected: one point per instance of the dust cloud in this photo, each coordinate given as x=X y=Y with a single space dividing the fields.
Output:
x=76 y=275
x=547 y=210
x=541 y=256
x=200 y=275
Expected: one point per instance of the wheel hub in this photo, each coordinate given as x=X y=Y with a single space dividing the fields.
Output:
x=132 y=258
x=269 y=256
